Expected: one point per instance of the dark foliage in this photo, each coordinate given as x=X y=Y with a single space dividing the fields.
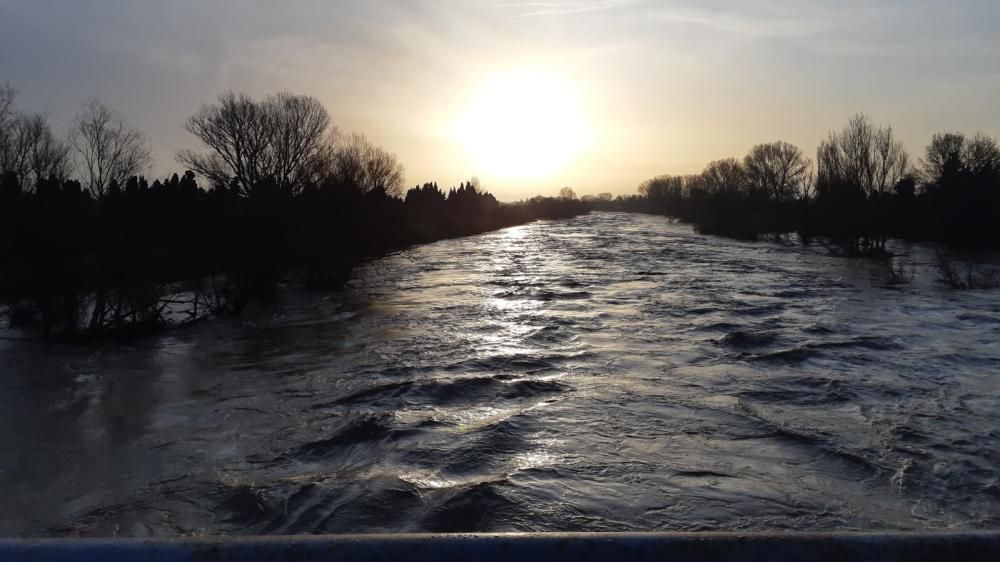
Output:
x=288 y=200
x=147 y=256
x=865 y=192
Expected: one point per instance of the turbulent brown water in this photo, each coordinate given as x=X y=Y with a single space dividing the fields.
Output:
x=611 y=372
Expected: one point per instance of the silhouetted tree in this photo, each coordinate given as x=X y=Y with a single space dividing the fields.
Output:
x=961 y=189
x=982 y=155
x=863 y=193
x=858 y=169
x=358 y=162
x=48 y=157
x=567 y=193
x=777 y=169
x=7 y=120
x=862 y=156
x=108 y=150
x=283 y=138
x=28 y=148
x=943 y=156
x=7 y=96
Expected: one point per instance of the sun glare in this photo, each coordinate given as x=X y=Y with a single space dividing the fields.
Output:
x=523 y=124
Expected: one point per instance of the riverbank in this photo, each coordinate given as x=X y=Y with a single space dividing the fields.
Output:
x=78 y=268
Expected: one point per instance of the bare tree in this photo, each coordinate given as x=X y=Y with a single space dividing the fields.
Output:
x=777 y=169
x=724 y=175
x=108 y=150
x=808 y=190
x=567 y=194
x=11 y=150
x=661 y=185
x=284 y=138
x=943 y=153
x=235 y=131
x=46 y=156
x=949 y=154
x=862 y=155
x=7 y=96
x=28 y=149
x=358 y=162
x=298 y=148
x=981 y=155
x=16 y=146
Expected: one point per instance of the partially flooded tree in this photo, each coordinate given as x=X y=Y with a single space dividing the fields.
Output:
x=961 y=176
x=108 y=150
x=858 y=171
x=776 y=175
x=283 y=138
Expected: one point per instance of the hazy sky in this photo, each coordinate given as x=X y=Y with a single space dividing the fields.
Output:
x=665 y=85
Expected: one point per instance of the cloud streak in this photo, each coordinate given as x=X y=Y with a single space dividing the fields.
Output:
x=690 y=79
x=749 y=25
x=569 y=7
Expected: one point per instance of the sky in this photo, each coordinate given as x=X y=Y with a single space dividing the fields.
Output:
x=650 y=86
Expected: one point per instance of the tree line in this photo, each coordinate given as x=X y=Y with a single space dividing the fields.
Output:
x=89 y=247
x=863 y=190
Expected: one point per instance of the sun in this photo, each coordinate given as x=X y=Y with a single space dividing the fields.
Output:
x=523 y=124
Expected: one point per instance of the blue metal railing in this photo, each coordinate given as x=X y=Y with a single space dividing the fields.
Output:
x=554 y=547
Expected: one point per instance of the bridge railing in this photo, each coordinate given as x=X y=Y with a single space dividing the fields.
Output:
x=528 y=547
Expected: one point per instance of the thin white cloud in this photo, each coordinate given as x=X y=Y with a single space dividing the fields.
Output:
x=750 y=25
x=568 y=7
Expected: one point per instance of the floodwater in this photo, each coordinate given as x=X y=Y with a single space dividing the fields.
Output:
x=610 y=372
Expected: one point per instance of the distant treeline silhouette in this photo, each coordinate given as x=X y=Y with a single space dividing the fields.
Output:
x=90 y=248
x=865 y=190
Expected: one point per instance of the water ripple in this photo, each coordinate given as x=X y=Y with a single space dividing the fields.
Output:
x=611 y=372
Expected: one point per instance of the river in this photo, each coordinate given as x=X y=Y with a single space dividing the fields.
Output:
x=606 y=373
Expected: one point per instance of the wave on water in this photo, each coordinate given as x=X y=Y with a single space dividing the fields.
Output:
x=609 y=372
